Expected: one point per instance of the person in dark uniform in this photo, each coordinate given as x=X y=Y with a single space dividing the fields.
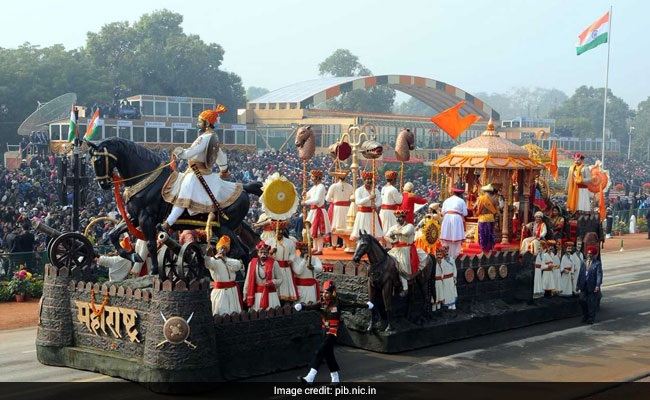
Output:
x=330 y=310
x=589 y=281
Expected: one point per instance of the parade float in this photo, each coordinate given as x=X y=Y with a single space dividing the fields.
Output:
x=159 y=330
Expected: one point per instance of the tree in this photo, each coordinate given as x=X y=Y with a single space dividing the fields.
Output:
x=343 y=63
x=582 y=115
x=254 y=92
x=641 y=133
x=414 y=106
x=154 y=55
x=525 y=102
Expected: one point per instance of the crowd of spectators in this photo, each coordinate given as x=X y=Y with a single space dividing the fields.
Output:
x=32 y=193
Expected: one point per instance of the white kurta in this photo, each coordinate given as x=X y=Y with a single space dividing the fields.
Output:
x=363 y=220
x=453 y=211
x=584 y=195
x=118 y=267
x=531 y=243
x=267 y=233
x=440 y=295
x=186 y=191
x=448 y=285
x=557 y=274
x=226 y=300
x=538 y=288
x=315 y=197
x=274 y=300
x=390 y=196
x=339 y=191
x=285 y=251
x=548 y=281
x=307 y=293
x=566 y=268
x=141 y=247
x=405 y=234
x=575 y=263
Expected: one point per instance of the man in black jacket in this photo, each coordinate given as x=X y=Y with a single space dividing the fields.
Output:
x=330 y=310
x=589 y=280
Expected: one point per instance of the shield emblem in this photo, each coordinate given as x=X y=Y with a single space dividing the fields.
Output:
x=598 y=178
x=212 y=150
x=431 y=232
x=279 y=200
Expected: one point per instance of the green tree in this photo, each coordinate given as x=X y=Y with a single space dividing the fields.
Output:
x=154 y=55
x=641 y=133
x=254 y=92
x=414 y=106
x=342 y=63
x=582 y=115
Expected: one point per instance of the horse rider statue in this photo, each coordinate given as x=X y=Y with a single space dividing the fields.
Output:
x=198 y=189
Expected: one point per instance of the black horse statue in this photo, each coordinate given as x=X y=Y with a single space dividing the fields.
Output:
x=382 y=274
x=146 y=207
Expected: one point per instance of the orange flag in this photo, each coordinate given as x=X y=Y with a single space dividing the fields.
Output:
x=450 y=121
x=552 y=166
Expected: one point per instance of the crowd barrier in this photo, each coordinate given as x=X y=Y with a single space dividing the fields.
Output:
x=33 y=261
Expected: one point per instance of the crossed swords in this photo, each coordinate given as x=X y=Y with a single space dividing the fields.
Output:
x=189 y=344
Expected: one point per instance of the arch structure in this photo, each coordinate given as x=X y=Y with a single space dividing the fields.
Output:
x=436 y=94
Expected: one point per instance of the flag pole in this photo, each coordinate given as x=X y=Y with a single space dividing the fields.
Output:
x=609 y=42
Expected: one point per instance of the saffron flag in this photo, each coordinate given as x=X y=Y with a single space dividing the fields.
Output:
x=72 y=132
x=552 y=166
x=93 y=126
x=595 y=35
x=450 y=121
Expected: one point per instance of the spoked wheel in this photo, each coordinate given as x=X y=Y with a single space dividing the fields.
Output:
x=190 y=264
x=167 y=264
x=71 y=250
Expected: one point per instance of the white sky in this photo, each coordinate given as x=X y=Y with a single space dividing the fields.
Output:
x=474 y=45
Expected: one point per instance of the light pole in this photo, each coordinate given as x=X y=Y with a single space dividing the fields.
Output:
x=629 y=142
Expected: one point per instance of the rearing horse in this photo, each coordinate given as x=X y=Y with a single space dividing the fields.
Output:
x=382 y=273
x=144 y=174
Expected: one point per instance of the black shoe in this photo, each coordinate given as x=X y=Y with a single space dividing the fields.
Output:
x=590 y=321
x=334 y=385
x=160 y=228
x=303 y=380
x=584 y=320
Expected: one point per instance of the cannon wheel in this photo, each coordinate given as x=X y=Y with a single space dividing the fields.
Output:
x=167 y=260
x=190 y=264
x=71 y=250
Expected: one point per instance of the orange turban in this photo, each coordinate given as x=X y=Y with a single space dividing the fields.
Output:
x=126 y=244
x=212 y=115
x=391 y=175
x=316 y=172
x=223 y=241
x=366 y=174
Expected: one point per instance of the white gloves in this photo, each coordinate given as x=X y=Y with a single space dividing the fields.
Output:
x=298 y=307
x=370 y=305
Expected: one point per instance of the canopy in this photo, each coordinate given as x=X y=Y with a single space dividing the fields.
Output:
x=488 y=151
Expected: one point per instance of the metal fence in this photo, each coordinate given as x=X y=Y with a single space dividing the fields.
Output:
x=33 y=261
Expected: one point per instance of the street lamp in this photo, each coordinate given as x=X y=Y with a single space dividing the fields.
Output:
x=629 y=142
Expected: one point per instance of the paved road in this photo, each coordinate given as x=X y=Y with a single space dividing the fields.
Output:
x=557 y=351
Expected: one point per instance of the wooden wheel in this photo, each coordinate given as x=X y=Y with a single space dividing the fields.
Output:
x=190 y=264
x=71 y=250
x=167 y=264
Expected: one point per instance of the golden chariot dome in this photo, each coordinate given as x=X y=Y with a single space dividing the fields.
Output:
x=488 y=151
x=537 y=154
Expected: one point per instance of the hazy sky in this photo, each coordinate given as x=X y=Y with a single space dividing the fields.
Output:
x=475 y=45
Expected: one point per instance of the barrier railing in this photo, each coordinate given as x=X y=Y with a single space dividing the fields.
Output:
x=34 y=261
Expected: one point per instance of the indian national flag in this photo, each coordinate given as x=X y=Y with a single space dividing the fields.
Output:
x=594 y=35
x=73 y=126
x=93 y=126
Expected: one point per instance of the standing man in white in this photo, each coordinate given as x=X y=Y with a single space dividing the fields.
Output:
x=452 y=232
x=391 y=199
x=315 y=199
x=367 y=205
x=338 y=195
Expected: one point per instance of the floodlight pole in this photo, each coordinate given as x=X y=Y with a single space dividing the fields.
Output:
x=77 y=175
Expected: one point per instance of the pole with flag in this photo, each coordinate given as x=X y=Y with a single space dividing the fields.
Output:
x=596 y=34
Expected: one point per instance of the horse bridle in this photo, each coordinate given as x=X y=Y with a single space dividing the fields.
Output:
x=107 y=173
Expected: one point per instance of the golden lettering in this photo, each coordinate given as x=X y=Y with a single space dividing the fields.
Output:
x=113 y=317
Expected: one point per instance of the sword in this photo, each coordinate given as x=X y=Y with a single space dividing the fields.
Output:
x=198 y=174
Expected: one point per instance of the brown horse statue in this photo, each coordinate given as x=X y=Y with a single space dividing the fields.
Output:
x=305 y=142
x=404 y=143
x=382 y=274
